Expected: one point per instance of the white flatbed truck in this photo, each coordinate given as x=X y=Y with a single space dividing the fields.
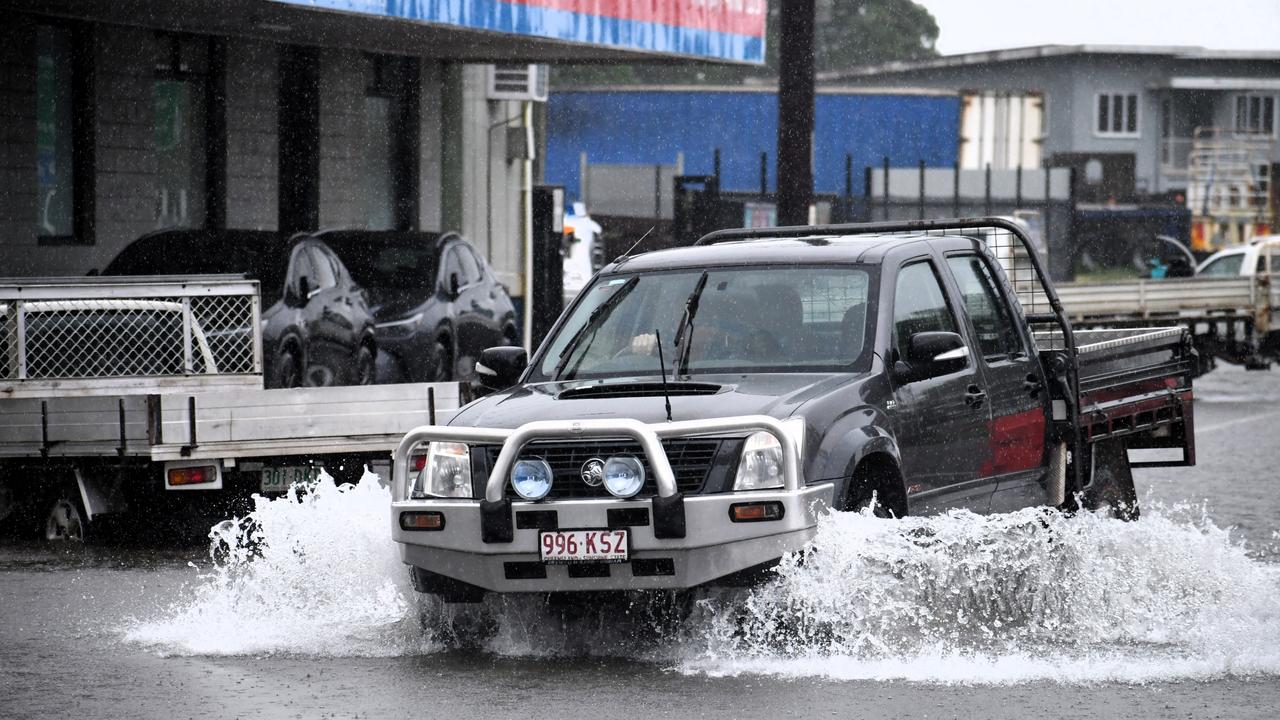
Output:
x=143 y=398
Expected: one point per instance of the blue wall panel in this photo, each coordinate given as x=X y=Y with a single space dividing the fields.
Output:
x=652 y=127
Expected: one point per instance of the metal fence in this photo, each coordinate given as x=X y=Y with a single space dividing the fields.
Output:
x=128 y=335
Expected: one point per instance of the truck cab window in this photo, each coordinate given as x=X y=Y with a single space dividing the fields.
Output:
x=1225 y=266
x=992 y=318
x=919 y=305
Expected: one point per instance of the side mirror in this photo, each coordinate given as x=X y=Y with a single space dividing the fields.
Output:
x=498 y=369
x=454 y=285
x=930 y=354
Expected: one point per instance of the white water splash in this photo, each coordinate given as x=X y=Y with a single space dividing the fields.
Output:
x=311 y=572
x=1027 y=596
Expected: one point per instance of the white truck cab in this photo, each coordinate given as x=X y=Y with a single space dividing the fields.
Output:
x=1259 y=256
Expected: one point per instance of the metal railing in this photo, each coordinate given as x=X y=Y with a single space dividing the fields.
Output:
x=128 y=335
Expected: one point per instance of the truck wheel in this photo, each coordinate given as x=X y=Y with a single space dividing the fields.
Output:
x=65 y=521
x=876 y=484
x=1111 y=487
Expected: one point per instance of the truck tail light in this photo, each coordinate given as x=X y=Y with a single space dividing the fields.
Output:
x=193 y=475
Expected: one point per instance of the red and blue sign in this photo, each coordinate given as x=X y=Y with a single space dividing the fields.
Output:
x=712 y=29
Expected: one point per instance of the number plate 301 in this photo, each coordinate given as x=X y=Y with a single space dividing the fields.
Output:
x=558 y=547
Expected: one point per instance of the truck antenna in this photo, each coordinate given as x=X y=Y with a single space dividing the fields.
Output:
x=624 y=256
x=662 y=365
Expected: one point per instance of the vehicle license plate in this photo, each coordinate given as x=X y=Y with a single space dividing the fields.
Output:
x=278 y=479
x=573 y=546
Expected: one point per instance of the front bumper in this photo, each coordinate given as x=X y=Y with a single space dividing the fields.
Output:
x=714 y=546
x=675 y=541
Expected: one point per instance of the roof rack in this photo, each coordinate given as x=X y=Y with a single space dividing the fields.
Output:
x=870 y=228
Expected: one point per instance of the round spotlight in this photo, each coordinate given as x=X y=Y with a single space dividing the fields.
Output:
x=531 y=479
x=623 y=475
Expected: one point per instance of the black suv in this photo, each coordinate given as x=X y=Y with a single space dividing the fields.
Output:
x=436 y=302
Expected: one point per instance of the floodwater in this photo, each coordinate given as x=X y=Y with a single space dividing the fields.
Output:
x=304 y=611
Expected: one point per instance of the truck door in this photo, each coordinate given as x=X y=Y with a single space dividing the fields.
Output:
x=1015 y=458
x=940 y=422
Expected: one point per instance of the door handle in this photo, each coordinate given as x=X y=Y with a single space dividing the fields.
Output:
x=974 y=397
x=1032 y=385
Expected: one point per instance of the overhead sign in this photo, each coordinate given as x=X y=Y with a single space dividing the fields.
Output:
x=716 y=29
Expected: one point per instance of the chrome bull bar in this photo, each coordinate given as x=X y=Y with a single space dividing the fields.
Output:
x=668 y=505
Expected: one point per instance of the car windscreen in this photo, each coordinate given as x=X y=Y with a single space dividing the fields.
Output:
x=744 y=319
x=184 y=256
x=390 y=266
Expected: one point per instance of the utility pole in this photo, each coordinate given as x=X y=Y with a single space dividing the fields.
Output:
x=795 y=112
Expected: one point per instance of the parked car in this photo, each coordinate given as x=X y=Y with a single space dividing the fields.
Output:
x=316 y=325
x=1243 y=260
x=434 y=299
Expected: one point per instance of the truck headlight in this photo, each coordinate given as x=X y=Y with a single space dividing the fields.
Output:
x=761 y=466
x=446 y=473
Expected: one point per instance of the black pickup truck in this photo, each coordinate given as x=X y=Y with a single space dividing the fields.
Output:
x=696 y=410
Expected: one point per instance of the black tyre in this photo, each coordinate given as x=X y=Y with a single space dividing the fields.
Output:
x=65 y=520
x=1111 y=487
x=875 y=484
x=444 y=361
x=366 y=365
x=288 y=372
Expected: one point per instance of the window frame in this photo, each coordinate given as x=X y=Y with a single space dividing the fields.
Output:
x=207 y=84
x=1262 y=98
x=1010 y=315
x=930 y=261
x=1111 y=95
x=83 y=133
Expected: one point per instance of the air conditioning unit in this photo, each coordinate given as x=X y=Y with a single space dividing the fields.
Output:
x=518 y=82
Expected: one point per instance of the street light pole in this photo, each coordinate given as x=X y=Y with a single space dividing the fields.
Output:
x=795 y=112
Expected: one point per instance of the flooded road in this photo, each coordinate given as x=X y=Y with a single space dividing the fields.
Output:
x=955 y=616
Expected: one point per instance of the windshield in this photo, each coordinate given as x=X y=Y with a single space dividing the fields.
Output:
x=798 y=319
x=390 y=266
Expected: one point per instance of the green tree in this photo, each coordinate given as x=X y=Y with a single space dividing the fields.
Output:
x=848 y=33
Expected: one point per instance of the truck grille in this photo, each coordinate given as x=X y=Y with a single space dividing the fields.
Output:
x=691 y=461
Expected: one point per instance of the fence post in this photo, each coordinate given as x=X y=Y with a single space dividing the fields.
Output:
x=186 y=336
x=920 y=202
x=583 y=187
x=848 y=175
x=1048 y=213
x=657 y=191
x=1017 y=193
x=715 y=165
x=886 y=187
x=987 y=192
x=764 y=173
x=19 y=339
x=955 y=189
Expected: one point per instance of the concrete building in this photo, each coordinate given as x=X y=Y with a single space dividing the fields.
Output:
x=1125 y=116
x=120 y=118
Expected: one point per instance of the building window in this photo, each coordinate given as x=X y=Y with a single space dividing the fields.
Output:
x=1117 y=114
x=180 y=115
x=55 y=170
x=389 y=168
x=1255 y=114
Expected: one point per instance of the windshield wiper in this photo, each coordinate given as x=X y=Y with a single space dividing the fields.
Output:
x=593 y=323
x=684 y=331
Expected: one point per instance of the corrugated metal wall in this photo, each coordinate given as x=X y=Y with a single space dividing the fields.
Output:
x=654 y=126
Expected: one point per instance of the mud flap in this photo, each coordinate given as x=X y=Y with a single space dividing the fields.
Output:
x=1111 y=482
x=99 y=497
